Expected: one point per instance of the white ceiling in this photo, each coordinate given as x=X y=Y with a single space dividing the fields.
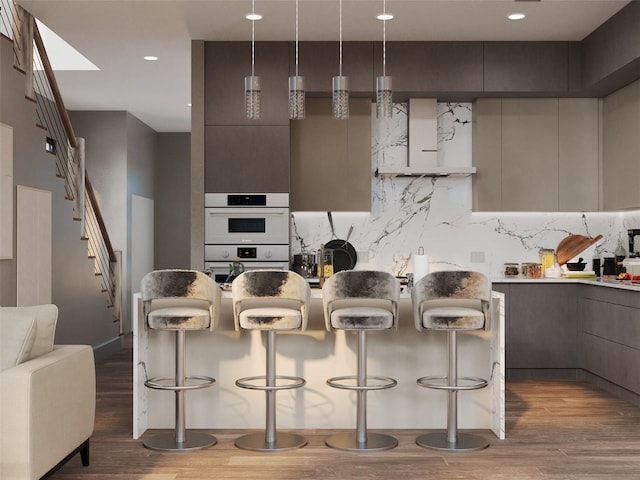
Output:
x=116 y=34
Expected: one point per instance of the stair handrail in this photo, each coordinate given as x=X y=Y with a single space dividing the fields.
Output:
x=68 y=127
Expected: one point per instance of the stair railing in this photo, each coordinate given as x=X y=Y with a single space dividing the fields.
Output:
x=42 y=88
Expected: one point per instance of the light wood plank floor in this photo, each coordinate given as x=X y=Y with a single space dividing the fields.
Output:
x=555 y=430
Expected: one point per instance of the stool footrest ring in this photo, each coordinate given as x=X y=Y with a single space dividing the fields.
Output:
x=431 y=382
x=384 y=382
x=169 y=383
x=247 y=382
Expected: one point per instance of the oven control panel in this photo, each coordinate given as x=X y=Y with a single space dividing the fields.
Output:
x=255 y=253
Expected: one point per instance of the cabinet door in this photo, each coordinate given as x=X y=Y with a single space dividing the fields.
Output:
x=487 y=154
x=621 y=149
x=226 y=65
x=542 y=326
x=331 y=159
x=319 y=62
x=579 y=159
x=247 y=159
x=611 y=340
x=530 y=154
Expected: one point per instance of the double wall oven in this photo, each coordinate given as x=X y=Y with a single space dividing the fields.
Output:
x=251 y=226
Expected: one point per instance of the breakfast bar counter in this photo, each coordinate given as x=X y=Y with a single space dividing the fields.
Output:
x=316 y=354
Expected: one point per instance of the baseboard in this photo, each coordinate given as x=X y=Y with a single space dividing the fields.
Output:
x=545 y=374
x=613 y=389
x=108 y=348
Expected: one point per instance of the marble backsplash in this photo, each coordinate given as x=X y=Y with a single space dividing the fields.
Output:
x=435 y=213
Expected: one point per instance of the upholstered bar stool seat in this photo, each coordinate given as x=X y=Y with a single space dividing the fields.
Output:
x=452 y=301
x=180 y=301
x=361 y=301
x=270 y=301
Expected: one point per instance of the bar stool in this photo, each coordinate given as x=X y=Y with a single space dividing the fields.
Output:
x=361 y=301
x=452 y=301
x=270 y=301
x=180 y=301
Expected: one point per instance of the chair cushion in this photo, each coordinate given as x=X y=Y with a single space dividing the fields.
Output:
x=270 y=318
x=179 y=318
x=46 y=318
x=452 y=318
x=361 y=318
x=18 y=331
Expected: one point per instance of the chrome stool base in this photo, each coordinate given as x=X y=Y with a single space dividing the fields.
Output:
x=376 y=442
x=258 y=442
x=166 y=442
x=466 y=442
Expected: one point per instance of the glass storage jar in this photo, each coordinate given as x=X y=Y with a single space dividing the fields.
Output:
x=511 y=269
x=532 y=270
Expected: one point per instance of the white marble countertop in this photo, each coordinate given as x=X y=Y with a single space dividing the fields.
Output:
x=619 y=284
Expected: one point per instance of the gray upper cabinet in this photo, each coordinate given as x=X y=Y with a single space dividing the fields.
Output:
x=247 y=159
x=331 y=159
x=226 y=65
x=420 y=68
x=621 y=149
x=526 y=67
x=536 y=154
x=530 y=154
x=319 y=62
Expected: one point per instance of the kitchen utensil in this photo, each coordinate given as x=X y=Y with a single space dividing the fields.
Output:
x=304 y=264
x=578 y=266
x=348 y=236
x=344 y=254
x=572 y=245
x=609 y=266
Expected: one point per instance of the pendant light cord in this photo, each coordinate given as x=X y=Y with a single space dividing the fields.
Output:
x=296 y=38
x=253 y=38
x=340 y=37
x=384 y=39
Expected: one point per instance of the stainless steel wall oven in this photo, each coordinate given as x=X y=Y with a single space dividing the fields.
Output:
x=251 y=226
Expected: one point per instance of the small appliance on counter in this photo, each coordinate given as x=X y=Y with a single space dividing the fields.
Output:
x=634 y=242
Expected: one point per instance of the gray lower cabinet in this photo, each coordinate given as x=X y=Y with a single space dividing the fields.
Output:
x=611 y=335
x=247 y=159
x=541 y=325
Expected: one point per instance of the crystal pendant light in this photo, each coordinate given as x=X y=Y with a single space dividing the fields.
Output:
x=252 y=92
x=296 y=86
x=340 y=99
x=384 y=90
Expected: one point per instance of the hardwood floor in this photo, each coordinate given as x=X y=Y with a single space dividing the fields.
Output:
x=555 y=430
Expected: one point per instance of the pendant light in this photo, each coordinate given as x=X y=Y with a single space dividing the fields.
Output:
x=340 y=99
x=252 y=92
x=384 y=91
x=296 y=87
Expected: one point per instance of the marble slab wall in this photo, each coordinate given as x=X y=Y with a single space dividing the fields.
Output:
x=435 y=213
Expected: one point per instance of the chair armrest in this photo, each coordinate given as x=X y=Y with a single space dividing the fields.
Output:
x=47 y=409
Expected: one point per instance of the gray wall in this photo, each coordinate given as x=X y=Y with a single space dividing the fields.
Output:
x=120 y=156
x=84 y=317
x=172 y=194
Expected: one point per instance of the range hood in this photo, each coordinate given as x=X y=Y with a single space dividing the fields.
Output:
x=422 y=160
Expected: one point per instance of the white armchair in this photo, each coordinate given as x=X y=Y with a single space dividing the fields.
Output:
x=47 y=395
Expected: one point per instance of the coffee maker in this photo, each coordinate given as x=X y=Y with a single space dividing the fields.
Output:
x=634 y=242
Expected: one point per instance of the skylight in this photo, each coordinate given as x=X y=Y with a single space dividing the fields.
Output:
x=62 y=55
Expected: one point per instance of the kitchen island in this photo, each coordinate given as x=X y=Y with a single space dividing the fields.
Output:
x=316 y=355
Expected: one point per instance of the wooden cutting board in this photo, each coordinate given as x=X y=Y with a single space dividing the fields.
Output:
x=572 y=245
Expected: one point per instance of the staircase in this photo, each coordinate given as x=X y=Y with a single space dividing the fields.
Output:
x=30 y=57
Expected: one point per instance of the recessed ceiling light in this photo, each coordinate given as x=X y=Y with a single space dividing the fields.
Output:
x=151 y=58
x=253 y=16
x=516 y=16
x=384 y=16
x=188 y=104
